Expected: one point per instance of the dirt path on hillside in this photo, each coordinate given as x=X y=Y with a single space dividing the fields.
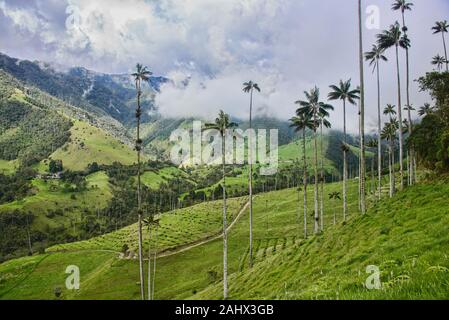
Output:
x=189 y=246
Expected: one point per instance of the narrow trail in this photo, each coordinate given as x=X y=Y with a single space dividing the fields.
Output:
x=204 y=241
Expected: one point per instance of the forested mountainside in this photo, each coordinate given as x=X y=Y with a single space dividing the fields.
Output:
x=103 y=94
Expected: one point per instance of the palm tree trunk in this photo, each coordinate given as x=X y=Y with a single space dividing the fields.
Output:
x=393 y=190
x=345 y=165
x=322 y=180
x=250 y=184
x=373 y=183
x=401 y=141
x=360 y=162
x=410 y=124
x=445 y=52
x=362 y=113
x=149 y=262
x=155 y=259
x=379 y=132
x=225 y=235
x=139 y=200
x=304 y=180
x=391 y=164
x=317 y=217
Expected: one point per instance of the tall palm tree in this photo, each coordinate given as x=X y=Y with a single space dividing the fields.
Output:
x=387 y=39
x=302 y=122
x=142 y=74
x=442 y=27
x=438 y=61
x=374 y=57
x=223 y=124
x=345 y=93
x=403 y=6
x=425 y=110
x=389 y=133
x=249 y=87
x=362 y=114
x=314 y=109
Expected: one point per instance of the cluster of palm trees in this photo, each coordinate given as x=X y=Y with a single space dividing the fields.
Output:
x=313 y=115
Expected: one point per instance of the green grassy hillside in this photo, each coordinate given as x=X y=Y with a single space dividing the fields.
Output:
x=408 y=243
x=89 y=144
x=50 y=195
x=405 y=237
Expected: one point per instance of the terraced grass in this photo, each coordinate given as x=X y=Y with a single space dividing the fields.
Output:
x=406 y=238
x=177 y=228
x=90 y=144
x=50 y=195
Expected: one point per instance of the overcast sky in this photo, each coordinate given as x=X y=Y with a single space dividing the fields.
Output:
x=287 y=46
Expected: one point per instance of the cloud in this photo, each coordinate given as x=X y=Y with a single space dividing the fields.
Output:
x=287 y=46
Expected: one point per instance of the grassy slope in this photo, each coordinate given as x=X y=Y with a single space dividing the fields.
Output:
x=38 y=275
x=90 y=144
x=153 y=179
x=50 y=196
x=406 y=237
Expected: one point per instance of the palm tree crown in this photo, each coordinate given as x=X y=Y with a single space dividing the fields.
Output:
x=390 y=110
x=375 y=55
x=440 y=27
x=250 y=85
x=142 y=73
x=313 y=107
x=438 y=61
x=390 y=130
x=393 y=37
x=344 y=92
x=301 y=122
x=222 y=123
x=425 y=110
x=402 y=5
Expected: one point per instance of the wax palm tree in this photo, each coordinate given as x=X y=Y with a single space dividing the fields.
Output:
x=142 y=74
x=345 y=93
x=442 y=27
x=438 y=61
x=387 y=39
x=151 y=223
x=249 y=87
x=362 y=114
x=302 y=122
x=335 y=196
x=223 y=124
x=403 y=6
x=389 y=133
x=375 y=56
x=425 y=110
x=315 y=109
